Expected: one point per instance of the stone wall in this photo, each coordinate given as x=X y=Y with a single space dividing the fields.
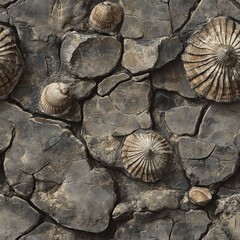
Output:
x=63 y=176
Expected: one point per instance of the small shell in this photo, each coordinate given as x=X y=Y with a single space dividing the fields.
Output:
x=106 y=17
x=212 y=60
x=146 y=156
x=199 y=195
x=11 y=63
x=55 y=99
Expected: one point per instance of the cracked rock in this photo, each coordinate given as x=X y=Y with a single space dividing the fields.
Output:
x=6 y=133
x=111 y=82
x=83 y=201
x=83 y=89
x=172 y=77
x=143 y=55
x=132 y=97
x=49 y=231
x=179 y=10
x=147 y=19
x=216 y=233
x=121 y=211
x=157 y=229
x=176 y=119
x=90 y=56
x=191 y=227
x=16 y=217
x=215 y=161
x=50 y=17
x=220 y=124
x=209 y=9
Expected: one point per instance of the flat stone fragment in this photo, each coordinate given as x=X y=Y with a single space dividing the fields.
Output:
x=192 y=227
x=16 y=217
x=216 y=233
x=132 y=97
x=83 y=89
x=210 y=9
x=172 y=77
x=183 y=120
x=143 y=55
x=6 y=133
x=140 y=55
x=111 y=82
x=147 y=19
x=179 y=11
x=6 y=2
x=220 y=124
x=156 y=229
x=83 y=201
x=216 y=162
x=49 y=231
x=90 y=56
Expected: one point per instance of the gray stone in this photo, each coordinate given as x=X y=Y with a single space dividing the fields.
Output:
x=4 y=17
x=83 y=201
x=183 y=120
x=156 y=229
x=216 y=233
x=145 y=120
x=179 y=11
x=6 y=133
x=111 y=146
x=220 y=124
x=147 y=19
x=172 y=77
x=157 y=200
x=143 y=55
x=49 y=231
x=140 y=55
x=16 y=217
x=102 y=119
x=46 y=157
x=233 y=226
x=216 y=162
x=6 y=2
x=209 y=9
x=83 y=89
x=132 y=97
x=141 y=77
x=192 y=227
x=109 y=83
x=90 y=56
x=49 y=18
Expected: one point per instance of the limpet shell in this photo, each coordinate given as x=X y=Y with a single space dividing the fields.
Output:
x=106 y=17
x=199 y=195
x=146 y=156
x=55 y=99
x=11 y=63
x=212 y=60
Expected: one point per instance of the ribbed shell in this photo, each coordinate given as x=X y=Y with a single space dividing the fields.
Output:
x=55 y=99
x=146 y=156
x=11 y=63
x=212 y=60
x=199 y=195
x=106 y=17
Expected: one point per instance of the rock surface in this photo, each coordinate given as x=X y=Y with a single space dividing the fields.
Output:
x=16 y=217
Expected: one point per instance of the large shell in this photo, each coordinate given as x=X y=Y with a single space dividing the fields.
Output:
x=146 y=156
x=199 y=195
x=106 y=17
x=55 y=99
x=11 y=63
x=212 y=60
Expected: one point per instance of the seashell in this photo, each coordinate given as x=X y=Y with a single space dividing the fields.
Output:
x=11 y=63
x=55 y=99
x=199 y=195
x=146 y=156
x=106 y=17
x=212 y=60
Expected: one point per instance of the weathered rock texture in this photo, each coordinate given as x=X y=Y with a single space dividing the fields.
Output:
x=63 y=178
